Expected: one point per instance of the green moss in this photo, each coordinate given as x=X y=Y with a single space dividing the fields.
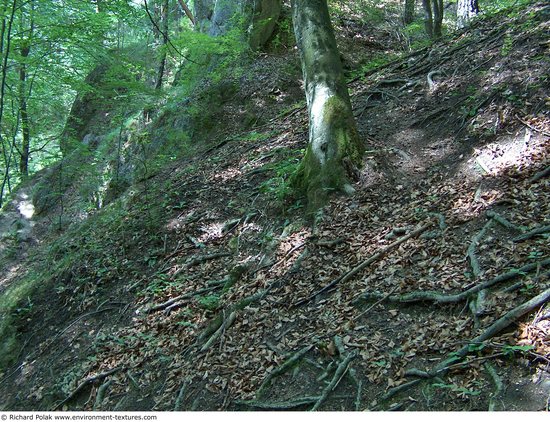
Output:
x=317 y=181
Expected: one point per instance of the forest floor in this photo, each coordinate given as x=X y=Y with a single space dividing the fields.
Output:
x=425 y=290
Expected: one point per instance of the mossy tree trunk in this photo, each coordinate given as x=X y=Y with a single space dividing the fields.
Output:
x=334 y=149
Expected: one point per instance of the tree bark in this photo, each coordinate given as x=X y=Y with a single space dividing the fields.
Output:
x=334 y=149
x=187 y=11
x=433 y=17
x=162 y=63
x=428 y=17
x=25 y=50
x=408 y=14
x=466 y=10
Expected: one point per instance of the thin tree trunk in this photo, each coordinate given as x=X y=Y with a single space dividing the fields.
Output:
x=25 y=126
x=428 y=17
x=408 y=14
x=334 y=150
x=162 y=64
x=437 y=18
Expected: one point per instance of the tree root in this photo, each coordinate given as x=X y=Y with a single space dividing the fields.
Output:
x=535 y=232
x=499 y=386
x=227 y=322
x=288 y=364
x=474 y=262
x=431 y=296
x=181 y=395
x=101 y=392
x=338 y=375
x=540 y=175
x=347 y=276
x=495 y=328
x=502 y=221
x=85 y=383
x=285 y=405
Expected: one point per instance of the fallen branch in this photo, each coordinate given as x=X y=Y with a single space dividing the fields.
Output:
x=347 y=276
x=85 y=383
x=340 y=372
x=431 y=296
x=288 y=364
x=532 y=233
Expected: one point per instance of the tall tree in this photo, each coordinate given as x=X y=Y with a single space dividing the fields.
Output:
x=334 y=149
x=465 y=11
x=433 y=17
x=408 y=13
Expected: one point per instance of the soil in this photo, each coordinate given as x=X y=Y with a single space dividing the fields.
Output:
x=450 y=151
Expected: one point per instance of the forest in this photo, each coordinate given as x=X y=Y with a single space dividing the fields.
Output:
x=274 y=205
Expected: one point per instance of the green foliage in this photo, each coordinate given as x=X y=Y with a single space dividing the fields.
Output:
x=507 y=45
x=279 y=186
x=210 y=302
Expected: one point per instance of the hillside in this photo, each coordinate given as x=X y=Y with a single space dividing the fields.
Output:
x=198 y=282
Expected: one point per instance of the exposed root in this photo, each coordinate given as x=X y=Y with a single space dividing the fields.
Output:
x=347 y=276
x=90 y=380
x=338 y=375
x=288 y=364
x=499 y=386
x=535 y=232
x=431 y=296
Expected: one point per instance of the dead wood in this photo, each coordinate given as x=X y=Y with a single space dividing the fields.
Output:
x=431 y=296
x=85 y=383
x=347 y=276
x=338 y=375
x=287 y=364
x=535 y=232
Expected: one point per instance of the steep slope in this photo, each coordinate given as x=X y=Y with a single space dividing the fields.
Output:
x=199 y=288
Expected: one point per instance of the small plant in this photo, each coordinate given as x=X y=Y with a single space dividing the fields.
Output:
x=210 y=302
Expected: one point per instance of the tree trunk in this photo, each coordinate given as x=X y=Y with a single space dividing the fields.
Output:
x=466 y=10
x=25 y=50
x=433 y=17
x=162 y=63
x=428 y=17
x=334 y=150
x=408 y=14
x=438 y=17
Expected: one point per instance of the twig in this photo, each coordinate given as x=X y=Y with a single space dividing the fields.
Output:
x=366 y=263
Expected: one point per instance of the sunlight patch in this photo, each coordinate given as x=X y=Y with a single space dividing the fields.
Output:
x=516 y=152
